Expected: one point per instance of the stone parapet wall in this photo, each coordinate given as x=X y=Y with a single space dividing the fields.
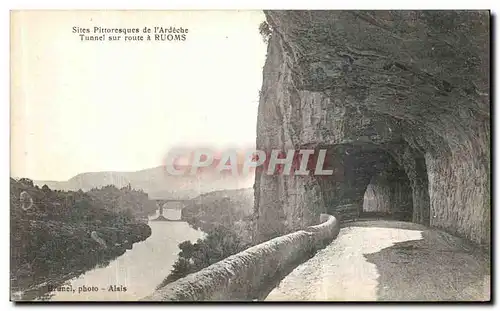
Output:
x=251 y=274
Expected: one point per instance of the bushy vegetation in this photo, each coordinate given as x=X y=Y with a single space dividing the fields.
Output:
x=265 y=31
x=124 y=200
x=231 y=209
x=219 y=243
x=50 y=239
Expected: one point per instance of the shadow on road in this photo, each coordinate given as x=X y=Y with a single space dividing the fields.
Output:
x=438 y=267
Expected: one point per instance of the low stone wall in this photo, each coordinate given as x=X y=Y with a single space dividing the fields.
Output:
x=251 y=274
x=347 y=212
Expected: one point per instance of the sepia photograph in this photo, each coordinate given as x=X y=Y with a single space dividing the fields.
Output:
x=250 y=156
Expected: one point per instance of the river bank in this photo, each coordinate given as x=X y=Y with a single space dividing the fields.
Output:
x=137 y=272
x=56 y=235
x=37 y=283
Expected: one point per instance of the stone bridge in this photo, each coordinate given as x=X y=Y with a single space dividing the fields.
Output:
x=400 y=100
x=165 y=203
x=162 y=202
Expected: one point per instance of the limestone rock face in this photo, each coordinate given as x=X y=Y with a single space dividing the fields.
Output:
x=378 y=89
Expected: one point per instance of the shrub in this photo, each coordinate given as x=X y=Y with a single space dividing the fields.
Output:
x=265 y=31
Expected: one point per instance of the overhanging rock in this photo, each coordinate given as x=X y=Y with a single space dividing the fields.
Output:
x=414 y=84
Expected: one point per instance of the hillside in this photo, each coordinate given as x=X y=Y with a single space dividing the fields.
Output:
x=154 y=181
x=57 y=235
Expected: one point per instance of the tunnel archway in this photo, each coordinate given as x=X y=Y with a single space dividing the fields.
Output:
x=370 y=180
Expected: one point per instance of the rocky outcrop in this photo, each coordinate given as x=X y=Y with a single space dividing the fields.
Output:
x=253 y=273
x=378 y=89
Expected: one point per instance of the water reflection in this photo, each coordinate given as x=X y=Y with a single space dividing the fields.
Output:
x=136 y=273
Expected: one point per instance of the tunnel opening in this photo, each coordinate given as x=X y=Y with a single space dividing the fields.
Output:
x=388 y=196
x=368 y=182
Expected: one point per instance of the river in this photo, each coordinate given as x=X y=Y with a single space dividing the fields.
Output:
x=139 y=269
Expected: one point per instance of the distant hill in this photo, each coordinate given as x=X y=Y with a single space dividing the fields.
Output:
x=155 y=181
x=241 y=199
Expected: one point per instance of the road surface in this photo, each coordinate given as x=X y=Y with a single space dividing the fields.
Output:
x=390 y=261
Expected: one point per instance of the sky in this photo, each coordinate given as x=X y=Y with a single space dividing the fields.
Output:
x=86 y=106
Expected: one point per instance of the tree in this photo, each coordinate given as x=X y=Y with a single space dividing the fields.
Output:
x=26 y=181
x=265 y=31
x=181 y=268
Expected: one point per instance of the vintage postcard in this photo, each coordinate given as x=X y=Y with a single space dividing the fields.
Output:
x=250 y=156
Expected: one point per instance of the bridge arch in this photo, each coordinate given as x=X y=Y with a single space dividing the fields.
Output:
x=174 y=207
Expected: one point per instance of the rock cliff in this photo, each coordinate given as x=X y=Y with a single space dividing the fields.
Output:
x=380 y=90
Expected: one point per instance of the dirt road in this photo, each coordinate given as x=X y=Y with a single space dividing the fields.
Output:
x=390 y=261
